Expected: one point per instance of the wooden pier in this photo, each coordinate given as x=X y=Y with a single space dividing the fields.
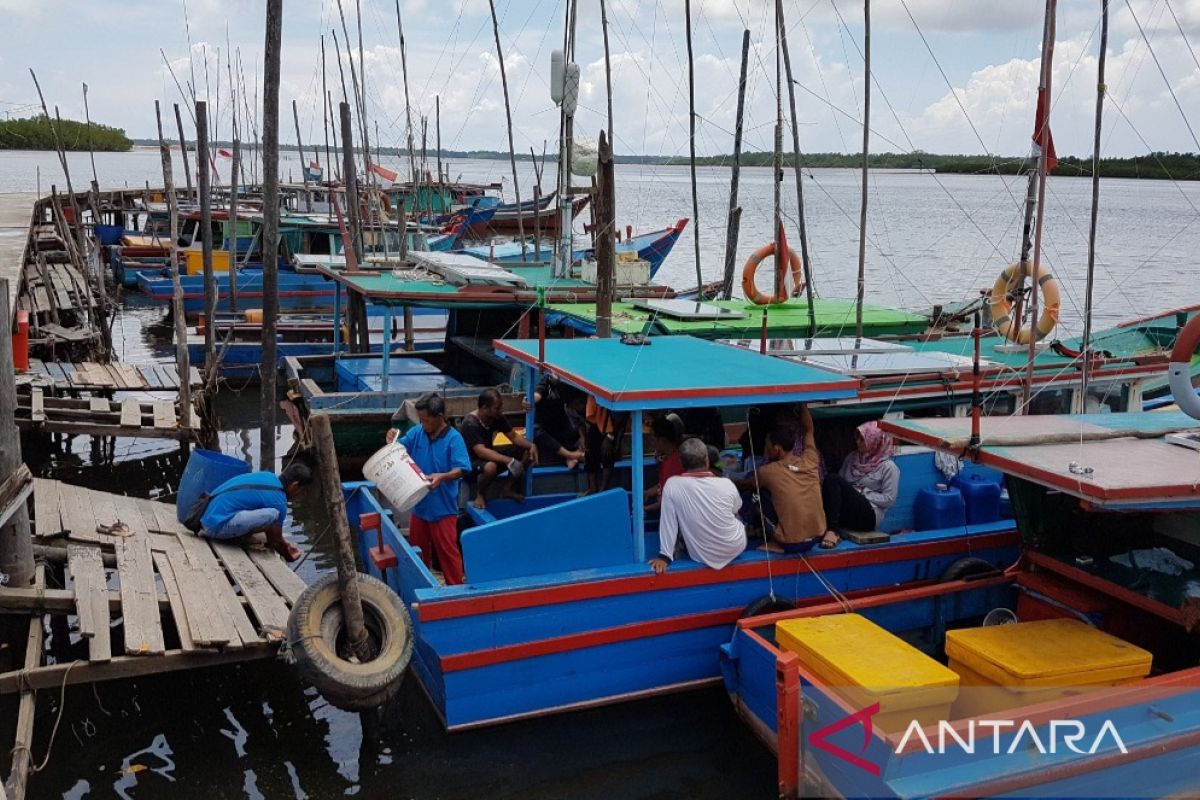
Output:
x=149 y=596
x=115 y=376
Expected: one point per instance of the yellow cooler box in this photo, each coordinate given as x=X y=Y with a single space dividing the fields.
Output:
x=866 y=664
x=1008 y=666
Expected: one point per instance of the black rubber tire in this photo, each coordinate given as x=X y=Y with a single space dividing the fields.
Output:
x=767 y=605
x=968 y=568
x=315 y=627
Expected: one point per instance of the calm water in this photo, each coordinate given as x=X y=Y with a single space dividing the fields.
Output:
x=254 y=731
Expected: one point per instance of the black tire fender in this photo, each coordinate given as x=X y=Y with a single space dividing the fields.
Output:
x=767 y=604
x=967 y=568
x=316 y=631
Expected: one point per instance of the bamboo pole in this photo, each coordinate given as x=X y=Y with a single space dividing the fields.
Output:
x=779 y=284
x=607 y=70
x=187 y=170
x=234 y=262
x=603 y=236
x=1101 y=90
x=861 y=290
x=437 y=126
x=272 y=46
x=687 y=14
x=181 y=351
x=407 y=108
x=355 y=305
x=735 y=213
x=800 y=216
x=303 y=166
x=333 y=129
x=1043 y=137
x=206 y=240
x=16 y=545
x=325 y=115
x=512 y=153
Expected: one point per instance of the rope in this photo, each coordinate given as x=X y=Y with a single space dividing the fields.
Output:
x=23 y=679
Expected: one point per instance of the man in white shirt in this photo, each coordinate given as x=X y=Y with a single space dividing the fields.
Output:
x=701 y=509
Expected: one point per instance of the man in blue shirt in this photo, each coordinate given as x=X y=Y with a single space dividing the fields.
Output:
x=255 y=503
x=439 y=450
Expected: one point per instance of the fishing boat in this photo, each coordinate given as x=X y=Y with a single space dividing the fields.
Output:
x=1097 y=637
x=533 y=216
x=652 y=247
x=561 y=610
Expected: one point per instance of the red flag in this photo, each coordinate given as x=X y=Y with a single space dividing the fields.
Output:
x=1041 y=129
x=223 y=153
x=386 y=174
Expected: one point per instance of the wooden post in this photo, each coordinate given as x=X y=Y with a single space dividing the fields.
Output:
x=412 y=159
x=270 y=280
x=860 y=292
x=16 y=545
x=437 y=124
x=234 y=179
x=321 y=434
x=187 y=171
x=27 y=706
x=687 y=13
x=604 y=204
x=607 y=70
x=206 y=241
x=512 y=154
x=181 y=351
x=325 y=115
x=807 y=266
x=733 y=225
x=1101 y=90
x=355 y=305
x=303 y=166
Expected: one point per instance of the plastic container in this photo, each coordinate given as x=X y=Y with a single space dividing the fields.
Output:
x=939 y=507
x=981 y=495
x=1008 y=666
x=253 y=315
x=397 y=476
x=108 y=234
x=867 y=664
x=205 y=471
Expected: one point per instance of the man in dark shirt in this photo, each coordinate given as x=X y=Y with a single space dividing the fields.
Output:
x=555 y=431
x=479 y=430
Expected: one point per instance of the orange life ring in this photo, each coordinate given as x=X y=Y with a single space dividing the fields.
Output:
x=1000 y=305
x=751 y=291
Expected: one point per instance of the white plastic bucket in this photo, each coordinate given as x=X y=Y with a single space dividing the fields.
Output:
x=398 y=477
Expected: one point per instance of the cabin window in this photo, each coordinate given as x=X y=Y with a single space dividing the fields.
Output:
x=1107 y=398
x=318 y=244
x=1051 y=401
x=189 y=230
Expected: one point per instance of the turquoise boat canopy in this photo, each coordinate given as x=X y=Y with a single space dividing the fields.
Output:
x=676 y=372
x=1137 y=461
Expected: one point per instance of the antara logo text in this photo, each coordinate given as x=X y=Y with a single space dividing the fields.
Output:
x=987 y=736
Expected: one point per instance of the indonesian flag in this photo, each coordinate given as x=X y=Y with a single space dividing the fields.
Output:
x=386 y=174
x=1041 y=129
x=223 y=153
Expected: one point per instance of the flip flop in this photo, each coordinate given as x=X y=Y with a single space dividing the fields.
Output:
x=827 y=543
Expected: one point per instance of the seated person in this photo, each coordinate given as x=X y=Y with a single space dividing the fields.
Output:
x=605 y=430
x=792 y=510
x=857 y=498
x=479 y=430
x=666 y=449
x=255 y=503
x=701 y=509
x=555 y=431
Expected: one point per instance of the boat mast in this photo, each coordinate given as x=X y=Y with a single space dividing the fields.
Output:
x=1042 y=134
x=687 y=13
x=566 y=86
x=412 y=160
x=735 y=213
x=1091 y=262
x=866 y=150
x=512 y=153
x=780 y=286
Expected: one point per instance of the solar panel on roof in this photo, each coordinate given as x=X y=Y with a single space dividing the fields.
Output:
x=819 y=346
x=879 y=364
x=687 y=309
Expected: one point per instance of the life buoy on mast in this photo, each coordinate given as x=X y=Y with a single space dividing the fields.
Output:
x=1179 y=369
x=750 y=290
x=1001 y=305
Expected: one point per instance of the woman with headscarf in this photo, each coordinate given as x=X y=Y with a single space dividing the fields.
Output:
x=858 y=497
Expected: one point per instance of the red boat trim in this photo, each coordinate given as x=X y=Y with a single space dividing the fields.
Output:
x=579 y=641
x=433 y=610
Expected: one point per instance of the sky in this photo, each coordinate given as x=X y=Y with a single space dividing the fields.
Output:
x=949 y=76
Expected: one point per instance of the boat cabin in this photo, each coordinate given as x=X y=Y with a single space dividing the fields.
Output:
x=967 y=687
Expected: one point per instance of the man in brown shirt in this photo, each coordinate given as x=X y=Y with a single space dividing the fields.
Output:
x=794 y=483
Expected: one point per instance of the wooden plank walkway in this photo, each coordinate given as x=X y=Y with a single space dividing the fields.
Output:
x=99 y=416
x=115 y=376
x=218 y=596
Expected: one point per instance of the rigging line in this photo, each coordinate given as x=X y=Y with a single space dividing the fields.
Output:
x=1183 y=35
x=1163 y=73
x=1152 y=152
x=453 y=37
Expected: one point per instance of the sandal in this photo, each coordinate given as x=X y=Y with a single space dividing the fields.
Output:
x=830 y=540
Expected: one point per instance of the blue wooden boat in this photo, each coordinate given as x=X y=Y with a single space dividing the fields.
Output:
x=653 y=247
x=1090 y=492
x=297 y=291
x=561 y=610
